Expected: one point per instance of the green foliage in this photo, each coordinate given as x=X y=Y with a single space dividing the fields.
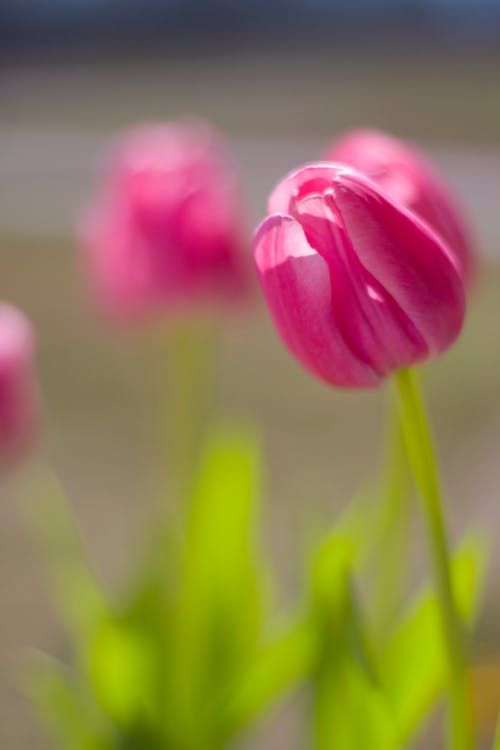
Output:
x=413 y=669
x=496 y=743
x=345 y=681
x=121 y=670
x=191 y=653
x=393 y=684
x=66 y=707
x=80 y=598
x=218 y=617
x=279 y=665
x=169 y=663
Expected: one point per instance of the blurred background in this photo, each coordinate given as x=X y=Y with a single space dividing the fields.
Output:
x=280 y=78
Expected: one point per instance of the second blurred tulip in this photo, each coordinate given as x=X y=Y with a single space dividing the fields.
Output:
x=166 y=229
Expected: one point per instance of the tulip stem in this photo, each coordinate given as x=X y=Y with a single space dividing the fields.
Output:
x=421 y=456
x=190 y=385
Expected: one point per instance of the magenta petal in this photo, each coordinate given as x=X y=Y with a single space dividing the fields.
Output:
x=166 y=230
x=296 y=283
x=19 y=403
x=406 y=257
x=407 y=176
x=308 y=180
x=358 y=285
x=376 y=328
x=117 y=259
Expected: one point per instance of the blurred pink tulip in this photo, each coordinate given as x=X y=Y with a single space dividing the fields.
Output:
x=408 y=176
x=167 y=228
x=18 y=391
x=357 y=285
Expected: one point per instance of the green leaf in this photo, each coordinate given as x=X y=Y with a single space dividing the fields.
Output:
x=79 y=597
x=377 y=523
x=223 y=585
x=66 y=711
x=121 y=666
x=392 y=531
x=278 y=667
x=331 y=569
x=413 y=670
x=350 y=709
x=496 y=743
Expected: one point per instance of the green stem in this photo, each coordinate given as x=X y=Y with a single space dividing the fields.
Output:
x=423 y=464
x=181 y=365
x=190 y=382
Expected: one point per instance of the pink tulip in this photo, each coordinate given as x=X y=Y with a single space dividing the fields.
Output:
x=408 y=177
x=18 y=391
x=166 y=228
x=357 y=285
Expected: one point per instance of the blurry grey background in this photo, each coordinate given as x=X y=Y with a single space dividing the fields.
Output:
x=280 y=79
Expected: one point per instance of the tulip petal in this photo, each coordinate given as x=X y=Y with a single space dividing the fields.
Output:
x=407 y=176
x=376 y=328
x=406 y=258
x=296 y=283
x=117 y=258
x=166 y=229
x=19 y=400
x=308 y=180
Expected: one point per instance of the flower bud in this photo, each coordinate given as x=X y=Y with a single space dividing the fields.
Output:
x=357 y=285
x=408 y=176
x=19 y=412
x=166 y=228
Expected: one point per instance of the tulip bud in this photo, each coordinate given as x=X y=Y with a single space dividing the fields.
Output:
x=166 y=228
x=358 y=286
x=407 y=175
x=18 y=391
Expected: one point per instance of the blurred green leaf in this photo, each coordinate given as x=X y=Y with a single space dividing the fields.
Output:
x=142 y=636
x=359 y=524
x=391 y=533
x=377 y=523
x=412 y=665
x=80 y=599
x=68 y=713
x=223 y=586
x=122 y=671
x=350 y=709
x=278 y=667
x=496 y=743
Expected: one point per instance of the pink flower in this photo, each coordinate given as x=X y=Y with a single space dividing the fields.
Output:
x=357 y=285
x=19 y=414
x=166 y=228
x=407 y=176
